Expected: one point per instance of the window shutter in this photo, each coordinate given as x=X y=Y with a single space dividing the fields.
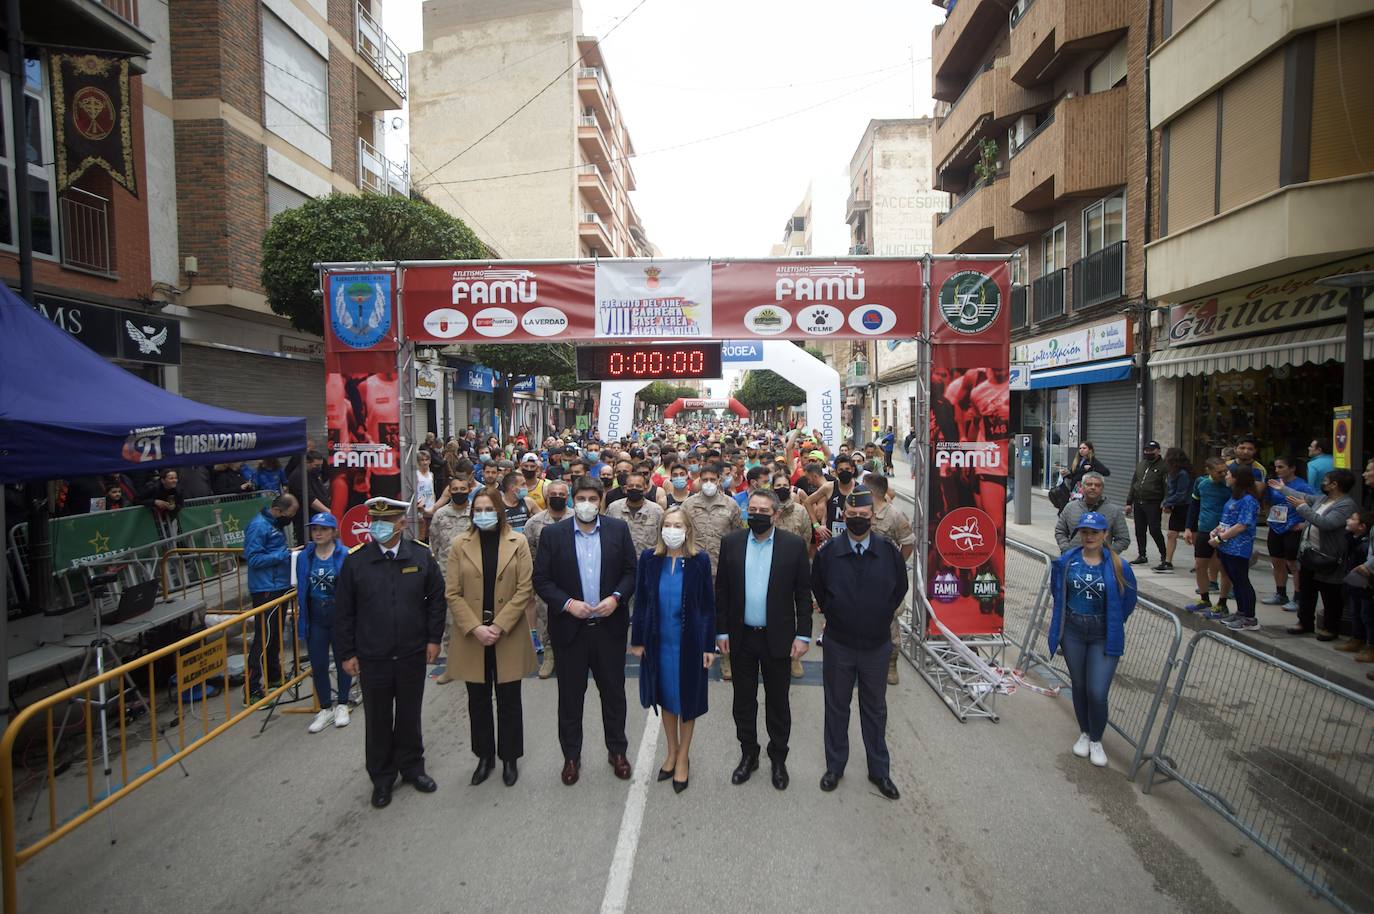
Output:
x=1193 y=165
x=1251 y=132
x=1338 y=141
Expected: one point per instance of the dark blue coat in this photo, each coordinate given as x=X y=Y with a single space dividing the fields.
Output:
x=698 y=630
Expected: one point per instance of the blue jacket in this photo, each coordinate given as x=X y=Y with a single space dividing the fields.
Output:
x=698 y=630
x=303 y=559
x=1178 y=489
x=1120 y=604
x=269 y=480
x=264 y=549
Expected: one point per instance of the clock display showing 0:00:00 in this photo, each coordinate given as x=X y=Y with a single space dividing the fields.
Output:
x=641 y=363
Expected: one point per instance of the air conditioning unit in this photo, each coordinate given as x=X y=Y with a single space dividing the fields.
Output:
x=1017 y=133
x=1018 y=9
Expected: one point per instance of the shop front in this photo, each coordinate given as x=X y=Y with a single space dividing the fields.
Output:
x=1083 y=387
x=1265 y=360
x=146 y=345
x=479 y=384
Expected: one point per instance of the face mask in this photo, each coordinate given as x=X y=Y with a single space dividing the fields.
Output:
x=521 y=492
x=727 y=482
x=458 y=498
x=381 y=531
x=679 y=482
x=760 y=523
x=593 y=455
x=709 y=489
x=586 y=511
x=529 y=474
x=634 y=494
x=783 y=493
x=858 y=525
x=621 y=477
x=557 y=503
x=674 y=537
x=484 y=458
x=484 y=520
x=693 y=467
x=845 y=477
x=281 y=522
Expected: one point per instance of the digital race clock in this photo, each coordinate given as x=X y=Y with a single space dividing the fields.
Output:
x=649 y=362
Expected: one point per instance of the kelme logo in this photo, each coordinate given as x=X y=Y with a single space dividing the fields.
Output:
x=969 y=302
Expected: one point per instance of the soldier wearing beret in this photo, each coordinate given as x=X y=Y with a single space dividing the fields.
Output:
x=389 y=613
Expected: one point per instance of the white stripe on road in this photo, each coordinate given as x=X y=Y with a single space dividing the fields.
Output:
x=623 y=863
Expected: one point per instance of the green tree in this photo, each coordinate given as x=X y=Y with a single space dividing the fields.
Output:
x=764 y=389
x=686 y=392
x=352 y=227
x=556 y=360
x=657 y=394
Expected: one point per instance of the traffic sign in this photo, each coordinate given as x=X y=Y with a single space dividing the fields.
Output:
x=1019 y=375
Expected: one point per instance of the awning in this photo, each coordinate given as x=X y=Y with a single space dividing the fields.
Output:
x=1291 y=347
x=1095 y=373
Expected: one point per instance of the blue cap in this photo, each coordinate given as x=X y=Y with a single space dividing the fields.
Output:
x=1092 y=520
x=324 y=519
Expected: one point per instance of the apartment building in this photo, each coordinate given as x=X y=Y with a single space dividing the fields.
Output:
x=796 y=233
x=1041 y=138
x=553 y=181
x=1263 y=118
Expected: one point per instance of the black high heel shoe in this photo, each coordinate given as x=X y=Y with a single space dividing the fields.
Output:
x=664 y=775
x=679 y=786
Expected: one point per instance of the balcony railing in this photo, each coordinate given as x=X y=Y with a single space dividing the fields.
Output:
x=1020 y=314
x=85 y=219
x=1047 y=296
x=125 y=9
x=1100 y=277
x=1026 y=140
x=380 y=175
x=941 y=217
x=380 y=51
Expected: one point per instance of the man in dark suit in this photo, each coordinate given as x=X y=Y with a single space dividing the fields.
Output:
x=763 y=617
x=585 y=572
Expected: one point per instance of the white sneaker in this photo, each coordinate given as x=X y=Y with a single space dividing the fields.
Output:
x=1080 y=748
x=1096 y=755
x=340 y=715
x=321 y=721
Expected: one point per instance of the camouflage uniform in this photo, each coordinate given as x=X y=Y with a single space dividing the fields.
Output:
x=533 y=527
x=893 y=524
x=644 y=523
x=794 y=518
x=712 y=518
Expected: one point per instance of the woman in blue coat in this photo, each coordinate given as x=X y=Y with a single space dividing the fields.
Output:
x=1094 y=593
x=673 y=632
x=317 y=570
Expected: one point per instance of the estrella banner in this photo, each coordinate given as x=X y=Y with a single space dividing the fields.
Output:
x=970 y=438
x=360 y=312
x=91 y=118
x=91 y=537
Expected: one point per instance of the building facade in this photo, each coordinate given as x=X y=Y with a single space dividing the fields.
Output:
x=1263 y=120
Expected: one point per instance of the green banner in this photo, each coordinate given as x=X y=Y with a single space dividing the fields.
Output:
x=236 y=516
x=86 y=537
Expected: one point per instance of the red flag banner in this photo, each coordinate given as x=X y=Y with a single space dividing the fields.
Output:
x=498 y=302
x=92 y=121
x=363 y=420
x=832 y=299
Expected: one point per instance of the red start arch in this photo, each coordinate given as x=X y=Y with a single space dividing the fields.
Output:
x=691 y=403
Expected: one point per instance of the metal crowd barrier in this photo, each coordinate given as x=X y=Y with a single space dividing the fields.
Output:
x=1283 y=755
x=118 y=723
x=1027 y=589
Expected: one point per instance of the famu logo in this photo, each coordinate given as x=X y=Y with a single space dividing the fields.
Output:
x=969 y=302
x=986 y=587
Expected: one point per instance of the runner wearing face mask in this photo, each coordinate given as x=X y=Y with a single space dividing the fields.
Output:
x=831 y=497
x=678 y=489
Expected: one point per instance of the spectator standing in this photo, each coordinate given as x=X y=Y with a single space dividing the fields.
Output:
x=269 y=476
x=1360 y=576
x=230 y=479
x=269 y=577
x=1234 y=540
x=1322 y=554
x=1145 y=500
x=317 y=574
x=1177 y=492
x=1094 y=499
x=194 y=482
x=888 y=443
x=425 y=490
x=1084 y=462
x=1319 y=461
x=164 y=497
x=1285 y=533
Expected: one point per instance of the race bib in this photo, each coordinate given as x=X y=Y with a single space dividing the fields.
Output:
x=1278 y=514
x=837 y=528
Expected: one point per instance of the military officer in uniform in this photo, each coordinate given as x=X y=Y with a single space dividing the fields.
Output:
x=389 y=613
x=645 y=517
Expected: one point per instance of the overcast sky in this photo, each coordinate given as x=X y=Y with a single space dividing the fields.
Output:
x=809 y=73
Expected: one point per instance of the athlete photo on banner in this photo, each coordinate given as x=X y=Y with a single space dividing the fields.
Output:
x=362 y=417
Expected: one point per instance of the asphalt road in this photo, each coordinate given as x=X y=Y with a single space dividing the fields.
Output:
x=993 y=818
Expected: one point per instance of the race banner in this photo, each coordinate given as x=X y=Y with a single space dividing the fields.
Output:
x=92 y=118
x=363 y=423
x=498 y=301
x=360 y=312
x=970 y=405
x=835 y=299
x=99 y=535
x=654 y=301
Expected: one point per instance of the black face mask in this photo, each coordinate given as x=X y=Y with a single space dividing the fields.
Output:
x=530 y=474
x=760 y=523
x=858 y=525
x=557 y=503
x=281 y=521
x=620 y=478
x=783 y=493
x=459 y=498
x=845 y=477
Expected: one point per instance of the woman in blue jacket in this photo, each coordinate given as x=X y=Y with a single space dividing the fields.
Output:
x=1094 y=593
x=673 y=633
x=317 y=570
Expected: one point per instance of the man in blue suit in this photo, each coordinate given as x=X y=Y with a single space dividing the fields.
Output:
x=585 y=572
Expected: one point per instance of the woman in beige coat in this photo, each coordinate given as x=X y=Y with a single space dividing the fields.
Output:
x=488 y=589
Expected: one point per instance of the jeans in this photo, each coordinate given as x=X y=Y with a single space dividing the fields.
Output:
x=318 y=643
x=1084 y=644
x=1238 y=570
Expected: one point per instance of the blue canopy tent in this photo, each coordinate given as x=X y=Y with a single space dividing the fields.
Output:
x=65 y=411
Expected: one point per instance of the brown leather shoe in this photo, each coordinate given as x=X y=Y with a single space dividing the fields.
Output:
x=570 y=771
x=621 y=765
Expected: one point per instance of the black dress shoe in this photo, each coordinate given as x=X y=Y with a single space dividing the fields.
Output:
x=423 y=783
x=748 y=764
x=830 y=780
x=1298 y=630
x=483 y=770
x=679 y=786
x=885 y=787
x=510 y=773
x=780 y=779
x=381 y=794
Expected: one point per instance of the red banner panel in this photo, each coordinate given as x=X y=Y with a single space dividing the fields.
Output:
x=498 y=302
x=360 y=311
x=970 y=407
x=363 y=421
x=795 y=299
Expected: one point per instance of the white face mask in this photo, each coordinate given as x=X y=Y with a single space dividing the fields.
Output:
x=673 y=537
x=709 y=489
x=485 y=520
x=586 y=511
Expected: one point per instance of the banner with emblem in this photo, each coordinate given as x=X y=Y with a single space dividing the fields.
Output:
x=92 y=120
x=363 y=422
x=93 y=537
x=360 y=312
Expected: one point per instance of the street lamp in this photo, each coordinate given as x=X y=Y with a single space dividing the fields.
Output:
x=1358 y=287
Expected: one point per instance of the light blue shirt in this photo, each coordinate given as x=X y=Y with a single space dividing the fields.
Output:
x=589 y=561
x=758 y=561
x=860 y=546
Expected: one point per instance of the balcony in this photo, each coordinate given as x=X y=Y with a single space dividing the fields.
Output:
x=856 y=375
x=380 y=175
x=382 y=83
x=958 y=43
x=593 y=141
x=1050 y=34
x=1100 y=277
x=594 y=189
x=593 y=92
x=101 y=26
x=1079 y=151
x=968 y=225
x=1020 y=314
x=1011 y=99
x=85 y=221
x=967 y=119
x=859 y=202
x=594 y=230
x=1047 y=296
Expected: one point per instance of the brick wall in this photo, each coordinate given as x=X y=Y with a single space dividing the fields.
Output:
x=218 y=52
x=221 y=202
x=343 y=113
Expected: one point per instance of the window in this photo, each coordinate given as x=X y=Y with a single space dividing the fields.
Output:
x=39 y=158
x=1104 y=223
x=296 y=85
x=1052 y=253
x=1110 y=70
x=282 y=197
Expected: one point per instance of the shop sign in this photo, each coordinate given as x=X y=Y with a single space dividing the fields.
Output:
x=427 y=383
x=477 y=378
x=524 y=386
x=294 y=345
x=1289 y=301
x=128 y=335
x=1109 y=341
x=1340 y=436
x=1052 y=352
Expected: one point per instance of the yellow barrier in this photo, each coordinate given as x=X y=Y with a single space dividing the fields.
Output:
x=200 y=659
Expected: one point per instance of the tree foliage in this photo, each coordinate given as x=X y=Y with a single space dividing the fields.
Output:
x=556 y=360
x=352 y=227
x=763 y=389
x=657 y=394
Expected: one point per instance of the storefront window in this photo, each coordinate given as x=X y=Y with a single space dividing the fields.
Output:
x=1050 y=417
